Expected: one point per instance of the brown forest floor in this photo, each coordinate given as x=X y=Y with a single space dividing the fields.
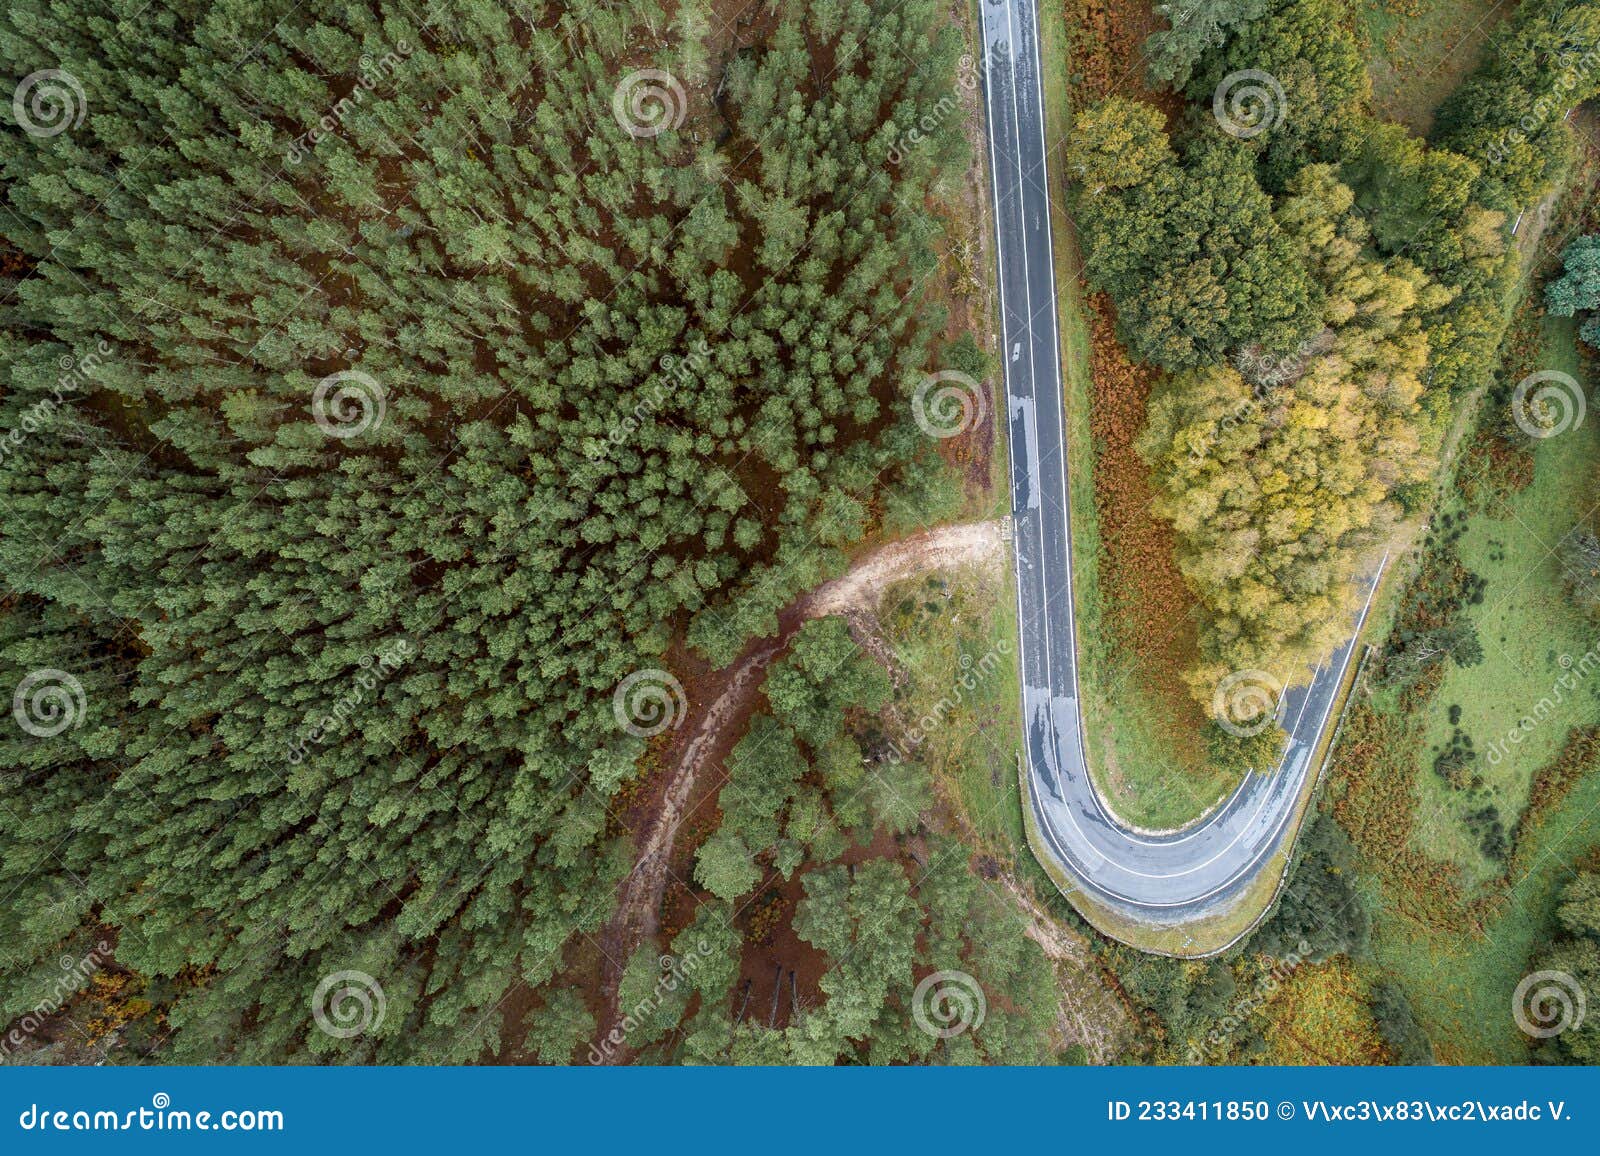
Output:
x=1148 y=606
x=1108 y=52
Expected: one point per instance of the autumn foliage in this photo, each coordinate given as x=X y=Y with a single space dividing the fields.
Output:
x=1323 y=1017
x=1149 y=607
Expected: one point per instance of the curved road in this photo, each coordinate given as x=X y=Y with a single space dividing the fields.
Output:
x=1155 y=880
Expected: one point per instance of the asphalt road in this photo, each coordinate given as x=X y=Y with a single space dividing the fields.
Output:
x=1154 y=879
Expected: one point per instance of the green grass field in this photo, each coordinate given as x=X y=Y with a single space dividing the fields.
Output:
x=1528 y=628
x=1419 y=51
x=1462 y=983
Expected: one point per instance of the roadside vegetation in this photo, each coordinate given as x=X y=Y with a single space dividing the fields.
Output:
x=952 y=638
x=1305 y=301
x=1485 y=703
x=1302 y=271
x=1470 y=764
x=1424 y=887
x=1136 y=636
x=1319 y=293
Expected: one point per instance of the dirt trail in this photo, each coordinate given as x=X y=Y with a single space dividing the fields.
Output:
x=708 y=739
x=971 y=544
x=638 y=913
